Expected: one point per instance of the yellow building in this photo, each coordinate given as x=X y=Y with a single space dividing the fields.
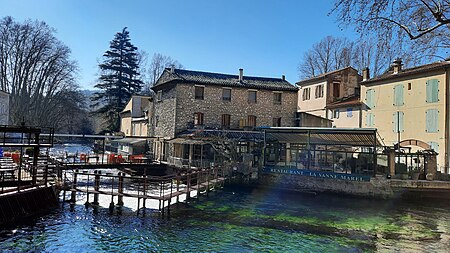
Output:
x=134 y=117
x=410 y=104
x=134 y=124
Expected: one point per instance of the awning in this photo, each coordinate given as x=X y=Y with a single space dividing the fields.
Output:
x=212 y=134
x=357 y=137
x=186 y=141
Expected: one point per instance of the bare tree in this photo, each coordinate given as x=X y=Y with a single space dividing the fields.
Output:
x=35 y=68
x=156 y=68
x=328 y=54
x=332 y=53
x=418 y=25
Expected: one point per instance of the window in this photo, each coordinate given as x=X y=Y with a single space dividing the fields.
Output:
x=156 y=121
x=277 y=98
x=397 y=125
x=252 y=96
x=432 y=121
x=336 y=114
x=370 y=98
x=432 y=91
x=409 y=86
x=226 y=94
x=199 y=92
x=226 y=121
x=276 y=122
x=198 y=119
x=159 y=95
x=306 y=93
x=349 y=112
x=336 y=90
x=319 y=91
x=251 y=121
x=398 y=95
x=370 y=119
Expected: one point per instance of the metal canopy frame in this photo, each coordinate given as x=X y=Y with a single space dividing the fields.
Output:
x=356 y=137
x=312 y=136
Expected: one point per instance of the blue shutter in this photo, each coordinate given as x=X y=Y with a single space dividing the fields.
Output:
x=432 y=91
x=370 y=119
x=398 y=122
x=370 y=98
x=349 y=112
x=398 y=95
x=434 y=146
x=432 y=120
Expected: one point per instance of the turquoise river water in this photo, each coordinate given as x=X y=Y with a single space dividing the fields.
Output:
x=242 y=220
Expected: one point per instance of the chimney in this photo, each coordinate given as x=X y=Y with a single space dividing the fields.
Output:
x=172 y=69
x=283 y=77
x=365 y=74
x=241 y=75
x=397 y=65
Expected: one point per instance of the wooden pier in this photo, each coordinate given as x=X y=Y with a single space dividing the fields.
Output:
x=164 y=189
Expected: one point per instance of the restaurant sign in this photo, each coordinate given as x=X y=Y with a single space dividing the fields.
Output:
x=313 y=173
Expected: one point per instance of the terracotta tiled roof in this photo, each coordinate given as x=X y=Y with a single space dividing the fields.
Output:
x=351 y=101
x=199 y=77
x=409 y=71
x=321 y=76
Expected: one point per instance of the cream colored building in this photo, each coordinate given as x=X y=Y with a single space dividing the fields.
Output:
x=327 y=95
x=135 y=118
x=410 y=104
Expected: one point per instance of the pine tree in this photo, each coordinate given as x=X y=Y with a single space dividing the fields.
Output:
x=118 y=81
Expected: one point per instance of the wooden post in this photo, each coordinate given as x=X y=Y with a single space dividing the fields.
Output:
x=170 y=199
x=145 y=191
x=111 y=205
x=120 y=189
x=96 y=186
x=87 y=190
x=178 y=187
x=391 y=161
x=74 y=187
x=188 y=192
x=207 y=180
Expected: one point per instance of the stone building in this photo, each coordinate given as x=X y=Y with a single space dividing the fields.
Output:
x=200 y=101
x=410 y=106
x=328 y=95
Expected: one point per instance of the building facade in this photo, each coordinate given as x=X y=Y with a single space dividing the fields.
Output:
x=410 y=104
x=316 y=94
x=135 y=116
x=194 y=100
x=134 y=124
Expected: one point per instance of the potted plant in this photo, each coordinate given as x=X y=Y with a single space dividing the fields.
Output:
x=415 y=173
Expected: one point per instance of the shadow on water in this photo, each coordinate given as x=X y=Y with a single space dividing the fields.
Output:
x=243 y=220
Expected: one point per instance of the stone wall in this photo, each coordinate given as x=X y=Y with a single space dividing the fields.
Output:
x=213 y=106
x=378 y=187
x=164 y=114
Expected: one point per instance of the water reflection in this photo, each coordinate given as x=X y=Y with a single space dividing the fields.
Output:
x=244 y=220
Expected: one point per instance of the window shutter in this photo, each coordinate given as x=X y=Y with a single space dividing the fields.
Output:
x=370 y=119
x=432 y=91
x=432 y=120
x=398 y=95
x=398 y=122
x=434 y=146
x=370 y=98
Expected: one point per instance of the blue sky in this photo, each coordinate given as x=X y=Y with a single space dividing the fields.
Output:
x=265 y=38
